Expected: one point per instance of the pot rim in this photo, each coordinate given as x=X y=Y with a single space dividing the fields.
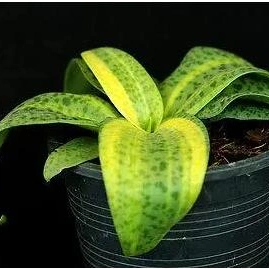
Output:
x=226 y=171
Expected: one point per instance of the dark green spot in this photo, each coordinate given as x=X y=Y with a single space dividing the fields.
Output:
x=66 y=101
x=154 y=226
x=161 y=186
x=202 y=94
x=85 y=109
x=162 y=165
x=175 y=195
x=147 y=197
x=222 y=67
x=213 y=84
x=154 y=168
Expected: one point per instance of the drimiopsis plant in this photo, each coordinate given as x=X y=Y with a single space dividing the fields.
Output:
x=151 y=140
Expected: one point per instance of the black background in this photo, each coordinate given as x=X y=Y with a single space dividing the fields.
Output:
x=36 y=42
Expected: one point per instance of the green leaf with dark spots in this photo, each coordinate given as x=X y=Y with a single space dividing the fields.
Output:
x=203 y=74
x=128 y=85
x=80 y=80
x=244 y=110
x=152 y=179
x=73 y=153
x=252 y=87
x=83 y=110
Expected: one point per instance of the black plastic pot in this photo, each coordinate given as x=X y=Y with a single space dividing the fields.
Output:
x=227 y=227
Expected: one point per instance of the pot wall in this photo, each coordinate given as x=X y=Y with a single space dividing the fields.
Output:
x=227 y=227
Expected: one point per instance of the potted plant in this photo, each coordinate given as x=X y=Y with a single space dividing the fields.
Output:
x=153 y=147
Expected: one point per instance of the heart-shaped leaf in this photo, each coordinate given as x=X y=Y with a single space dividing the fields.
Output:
x=74 y=152
x=128 y=85
x=202 y=75
x=84 y=110
x=152 y=179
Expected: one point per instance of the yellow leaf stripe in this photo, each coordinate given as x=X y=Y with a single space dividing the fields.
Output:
x=203 y=73
x=196 y=136
x=128 y=85
x=178 y=89
x=111 y=84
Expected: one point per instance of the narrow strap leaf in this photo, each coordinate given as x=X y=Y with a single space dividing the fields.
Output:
x=252 y=87
x=244 y=110
x=203 y=74
x=83 y=110
x=74 y=152
x=79 y=79
x=128 y=86
x=152 y=179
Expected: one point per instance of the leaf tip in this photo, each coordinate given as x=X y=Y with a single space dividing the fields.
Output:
x=3 y=220
x=46 y=174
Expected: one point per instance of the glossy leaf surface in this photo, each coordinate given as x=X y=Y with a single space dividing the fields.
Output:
x=74 y=152
x=152 y=179
x=202 y=75
x=244 y=110
x=252 y=87
x=83 y=110
x=128 y=85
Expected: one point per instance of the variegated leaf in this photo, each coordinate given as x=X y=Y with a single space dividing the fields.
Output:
x=84 y=110
x=252 y=87
x=128 y=85
x=74 y=152
x=202 y=75
x=152 y=179
x=244 y=110
x=80 y=80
